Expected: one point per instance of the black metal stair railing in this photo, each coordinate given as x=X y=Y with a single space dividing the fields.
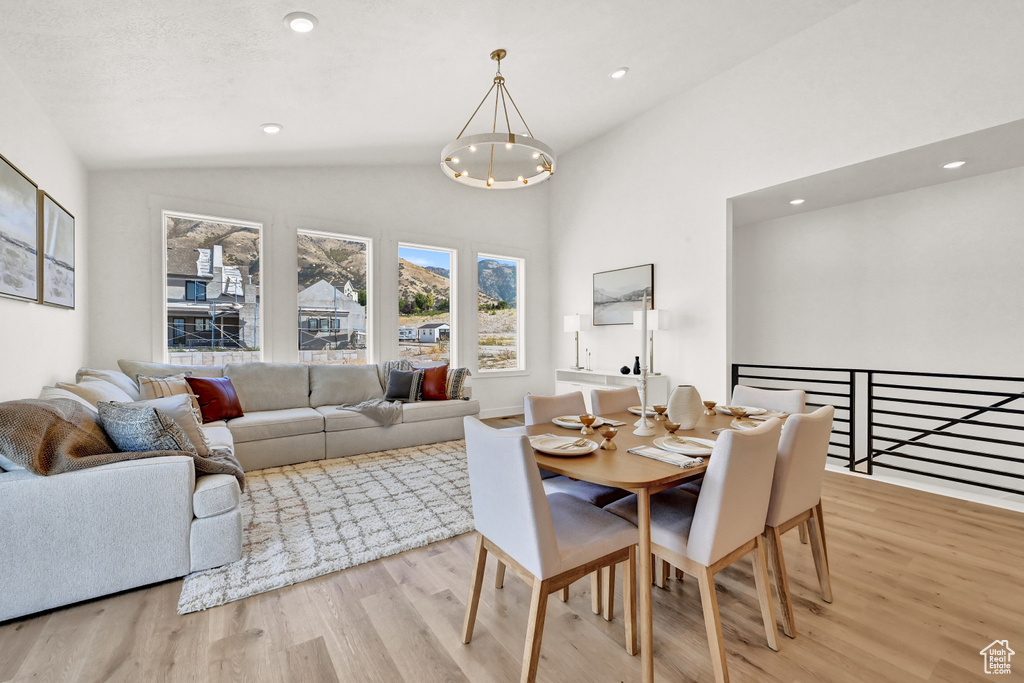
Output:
x=967 y=430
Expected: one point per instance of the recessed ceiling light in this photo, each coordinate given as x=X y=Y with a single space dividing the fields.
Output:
x=954 y=164
x=272 y=128
x=795 y=202
x=301 y=22
x=620 y=72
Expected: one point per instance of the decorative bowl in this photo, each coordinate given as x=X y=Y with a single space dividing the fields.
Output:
x=671 y=426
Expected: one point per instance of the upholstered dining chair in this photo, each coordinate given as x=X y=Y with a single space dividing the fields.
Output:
x=796 y=499
x=540 y=410
x=790 y=401
x=607 y=401
x=550 y=541
x=703 y=535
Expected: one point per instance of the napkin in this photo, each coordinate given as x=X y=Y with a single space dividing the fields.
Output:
x=613 y=423
x=671 y=458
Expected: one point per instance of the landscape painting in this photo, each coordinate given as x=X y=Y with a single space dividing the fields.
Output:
x=19 y=234
x=617 y=293
x=57 y=267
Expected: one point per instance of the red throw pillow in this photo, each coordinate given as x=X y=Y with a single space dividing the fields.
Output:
x=217 y=398
x=434 y=381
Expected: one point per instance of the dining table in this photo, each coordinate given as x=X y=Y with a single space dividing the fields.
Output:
x=638 y=474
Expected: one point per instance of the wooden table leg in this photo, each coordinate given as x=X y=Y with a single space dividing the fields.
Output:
x=643 y=508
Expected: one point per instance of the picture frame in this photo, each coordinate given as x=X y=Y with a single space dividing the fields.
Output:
x=56 y=253
x=617 y=293
x=19 y=234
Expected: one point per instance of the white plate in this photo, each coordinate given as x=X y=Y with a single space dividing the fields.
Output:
x=573 y=421
x=727 y=410
x=651 y=412
x=743 y=423
x=551 y=445
x=670 y=444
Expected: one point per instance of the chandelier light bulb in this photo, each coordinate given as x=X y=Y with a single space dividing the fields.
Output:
x=508 y=145
x=455 y=160
x=536 y=155
x=472 y=148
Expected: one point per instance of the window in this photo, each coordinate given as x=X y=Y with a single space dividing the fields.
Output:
x=333 y=296
x=213 y=278
x=195 y=291
x=425 y=302
x=499 y=314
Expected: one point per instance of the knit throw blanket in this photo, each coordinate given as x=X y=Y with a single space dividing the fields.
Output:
x=60 y=435
x=384 y=413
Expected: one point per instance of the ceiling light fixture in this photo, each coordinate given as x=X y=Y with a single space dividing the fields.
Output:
x=954 y=164
x=620 y=72
x=272 y=128
x=796 y=202
x=301 y=22
x=514 y=166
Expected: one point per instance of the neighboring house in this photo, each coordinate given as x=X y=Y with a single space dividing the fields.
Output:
x=209 y=304
x=329 y=319
x=433 y=332
x=406 y=334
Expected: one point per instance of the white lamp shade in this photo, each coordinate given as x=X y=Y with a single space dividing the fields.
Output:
x=656 y=319
x=571 y=323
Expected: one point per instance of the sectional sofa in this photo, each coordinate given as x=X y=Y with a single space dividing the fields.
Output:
x=80 y=535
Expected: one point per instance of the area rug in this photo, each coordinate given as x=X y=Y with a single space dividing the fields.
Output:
x=307 y=520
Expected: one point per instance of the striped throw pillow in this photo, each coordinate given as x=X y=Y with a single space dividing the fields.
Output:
x=161 y=387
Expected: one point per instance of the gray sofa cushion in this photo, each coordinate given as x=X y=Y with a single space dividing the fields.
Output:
x=133 y=368
x=273 y=424
x=269 y=386
x=214 y=495
x=423 y=411
x=342 y=420
x=332 y=385
x=140 y=428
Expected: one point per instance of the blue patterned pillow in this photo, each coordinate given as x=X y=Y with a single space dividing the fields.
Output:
x=142 y=428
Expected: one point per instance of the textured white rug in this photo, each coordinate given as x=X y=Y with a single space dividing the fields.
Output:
x=303 y=521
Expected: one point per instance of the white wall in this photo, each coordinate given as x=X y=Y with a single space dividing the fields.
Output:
x=42 y=344
x=880 y=77
x=387 y=204
x=928 y=280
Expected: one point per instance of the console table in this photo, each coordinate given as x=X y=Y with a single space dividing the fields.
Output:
x=568 y=380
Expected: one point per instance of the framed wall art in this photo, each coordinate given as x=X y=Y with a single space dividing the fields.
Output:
x=56 y=253
x=617 y=293
x=19 y=234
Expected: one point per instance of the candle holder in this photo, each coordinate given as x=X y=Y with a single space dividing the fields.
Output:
x=587 y=420
x=709 y=408
x=608 y=432
x=671 y=426
x=660 y=410
x=644 y=427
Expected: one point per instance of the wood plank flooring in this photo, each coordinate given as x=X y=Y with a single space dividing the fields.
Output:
x=921 y=583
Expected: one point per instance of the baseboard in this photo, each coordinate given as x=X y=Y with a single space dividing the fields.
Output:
x=507 y=411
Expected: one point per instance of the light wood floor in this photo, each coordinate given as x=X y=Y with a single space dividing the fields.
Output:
x=921 y=582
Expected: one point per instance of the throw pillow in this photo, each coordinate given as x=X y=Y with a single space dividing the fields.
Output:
x=94 y=391
x=434 y=379
x=384 y=370
x=216 y=396
x=456 y=382
x=50 y=393
x=136 y=428
x=169 y=385
x=118 y=379
x=403 y=385
x=186 y=415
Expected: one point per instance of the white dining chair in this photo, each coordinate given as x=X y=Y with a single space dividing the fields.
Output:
x=790 y=401
x=549 y=541
x=541 y=410
x=796 y=499
x=702 y=535
x=608 y=401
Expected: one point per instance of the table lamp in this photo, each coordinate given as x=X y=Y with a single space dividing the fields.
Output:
x=656 y=320
x=572 y=323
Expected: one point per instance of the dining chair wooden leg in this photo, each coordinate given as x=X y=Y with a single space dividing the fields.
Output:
x=629 y=601
x=778 y=562
x=475 y=584
x=608 y=579
x=764 y=595
x=660 y=571
x=563 y=594
x=499 y=575
x=713 y=624
x=803 y=532
x=680 y=575
x=596 y=581
x=535 y=630
x=820 y=515
x=820 y=559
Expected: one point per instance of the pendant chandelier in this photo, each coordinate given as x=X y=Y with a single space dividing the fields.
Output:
x=498 y=160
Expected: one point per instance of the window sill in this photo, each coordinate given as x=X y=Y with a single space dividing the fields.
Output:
x=485 y=374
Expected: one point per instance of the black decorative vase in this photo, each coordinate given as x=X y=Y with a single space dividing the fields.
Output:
x=636 y=366
x=624 y=369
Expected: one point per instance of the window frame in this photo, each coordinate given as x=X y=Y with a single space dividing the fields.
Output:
x=521 y=356
x=454 y=346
